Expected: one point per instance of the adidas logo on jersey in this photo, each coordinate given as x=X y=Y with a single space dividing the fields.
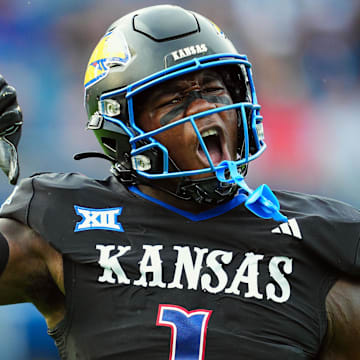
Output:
x=98 y=219
x=288 y=228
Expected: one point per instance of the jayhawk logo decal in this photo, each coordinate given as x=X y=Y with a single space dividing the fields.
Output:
x=111 y=49
x=218 y=30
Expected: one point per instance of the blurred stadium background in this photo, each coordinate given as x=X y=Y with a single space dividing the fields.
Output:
x=306 y=57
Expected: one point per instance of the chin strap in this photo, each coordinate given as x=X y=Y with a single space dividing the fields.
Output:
x=206 y=191
x=92 y=154
x=262 y=201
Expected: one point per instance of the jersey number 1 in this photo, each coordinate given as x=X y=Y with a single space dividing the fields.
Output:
x=188 y=331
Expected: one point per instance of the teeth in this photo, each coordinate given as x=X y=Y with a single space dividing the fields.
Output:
x=209 y=132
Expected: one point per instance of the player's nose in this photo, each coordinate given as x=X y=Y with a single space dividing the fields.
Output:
x=199 y=105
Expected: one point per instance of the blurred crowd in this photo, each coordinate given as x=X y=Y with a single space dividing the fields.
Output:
x=306 y=61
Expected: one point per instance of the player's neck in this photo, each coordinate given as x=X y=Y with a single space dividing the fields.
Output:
x=186 y=205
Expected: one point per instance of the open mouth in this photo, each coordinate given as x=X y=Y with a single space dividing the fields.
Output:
x=213 y=142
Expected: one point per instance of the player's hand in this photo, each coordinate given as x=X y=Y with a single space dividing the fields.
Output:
x=10 y=131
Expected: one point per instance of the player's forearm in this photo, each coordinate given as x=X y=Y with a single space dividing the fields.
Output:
x=17 y=263
x=4 y=253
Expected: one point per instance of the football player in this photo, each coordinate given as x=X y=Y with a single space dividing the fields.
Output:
x=174 y=256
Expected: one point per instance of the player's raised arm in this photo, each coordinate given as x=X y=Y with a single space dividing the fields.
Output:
x=10 y=130
x=30 y=269
x=13 y=252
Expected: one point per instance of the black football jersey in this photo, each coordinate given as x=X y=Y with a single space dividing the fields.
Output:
x=145 y=280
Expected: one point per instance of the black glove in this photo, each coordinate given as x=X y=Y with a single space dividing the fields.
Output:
x=10 y=131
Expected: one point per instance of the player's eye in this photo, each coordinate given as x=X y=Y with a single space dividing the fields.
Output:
x=172 y=101
x=214 y=89
x=175 y=100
